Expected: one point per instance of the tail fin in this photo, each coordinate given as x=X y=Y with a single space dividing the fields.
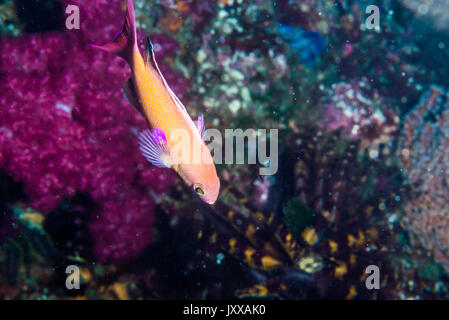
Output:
x=125 y=41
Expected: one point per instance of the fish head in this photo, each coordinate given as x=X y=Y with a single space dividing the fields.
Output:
x=203 y=180
x=208 y=190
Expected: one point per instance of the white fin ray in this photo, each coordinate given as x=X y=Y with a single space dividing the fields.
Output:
x=151 y=150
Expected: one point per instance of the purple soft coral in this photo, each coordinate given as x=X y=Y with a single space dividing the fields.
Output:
x=65 y=127
x=360 y=113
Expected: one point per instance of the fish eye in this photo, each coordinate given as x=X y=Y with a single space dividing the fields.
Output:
x=199 y=190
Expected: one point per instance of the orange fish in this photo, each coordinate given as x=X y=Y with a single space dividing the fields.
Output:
x=173 y=140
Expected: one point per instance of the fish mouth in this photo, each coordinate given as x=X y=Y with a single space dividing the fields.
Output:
x=210 y=202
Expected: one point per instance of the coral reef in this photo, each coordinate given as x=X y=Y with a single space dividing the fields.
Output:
x=362 y=173
x=342 y=219
x=351 y=196
x=9 y=22
x=424 y=157
x=66 y=128
x=306 y=44
x=359 y=113
x=431 y=11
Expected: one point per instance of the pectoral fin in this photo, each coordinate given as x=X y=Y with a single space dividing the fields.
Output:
x=150 y=59
x=153 y=145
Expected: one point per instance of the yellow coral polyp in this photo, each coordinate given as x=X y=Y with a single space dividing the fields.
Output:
x=340 y=271
x=309 y=235
x=333 y=246
x=232 y=243
x=352 y=293
x=270 y=262
x=249 y=254
x=310 y=264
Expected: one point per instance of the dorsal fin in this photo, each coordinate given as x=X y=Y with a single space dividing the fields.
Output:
x=150 y=61
x=149 y=55
x=200 y=126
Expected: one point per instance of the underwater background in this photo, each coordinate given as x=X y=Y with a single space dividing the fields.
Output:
x=363 y=179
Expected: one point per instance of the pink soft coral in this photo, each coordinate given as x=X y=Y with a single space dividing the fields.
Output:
x=65 y=127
